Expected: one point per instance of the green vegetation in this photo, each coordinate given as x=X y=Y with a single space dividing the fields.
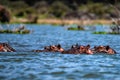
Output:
x=76 y=28
x=15 y=32
x=64 y=9
x=101 y=10
x=105 y=32
x=100 y=32
x=59 y=9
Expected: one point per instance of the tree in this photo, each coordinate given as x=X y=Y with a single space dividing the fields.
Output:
x=4 y=14
x=59 y=9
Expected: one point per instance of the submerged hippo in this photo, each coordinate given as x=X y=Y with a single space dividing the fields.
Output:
x=4 y=47
x=78 y=49
x=75 y=49
x=104 y=49
x=51 y=48
x=110 y=50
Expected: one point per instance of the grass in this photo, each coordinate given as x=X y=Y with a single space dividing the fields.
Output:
x=15 y=32
x=63 y=21
x=72 y=28
x=102 y=32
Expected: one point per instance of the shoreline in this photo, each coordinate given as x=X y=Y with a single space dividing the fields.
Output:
x=63 y=21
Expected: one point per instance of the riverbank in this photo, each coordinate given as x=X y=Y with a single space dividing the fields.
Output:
x=62 y=21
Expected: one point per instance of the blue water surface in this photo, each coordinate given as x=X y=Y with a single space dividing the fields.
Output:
x=26 y=65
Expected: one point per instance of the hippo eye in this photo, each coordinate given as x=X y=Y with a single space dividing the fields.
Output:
x=88 y=45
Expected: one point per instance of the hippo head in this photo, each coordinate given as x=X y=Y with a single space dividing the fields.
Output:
x=85 y=49
x=4 y=47
x=75 y=46
x=60 y=49
x=110 y=50
x=100 y=49
x=54 y=48
x=82 y=49
x=88 y=50
x=107 y=47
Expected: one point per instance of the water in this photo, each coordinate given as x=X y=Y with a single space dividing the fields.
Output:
x=25 y=65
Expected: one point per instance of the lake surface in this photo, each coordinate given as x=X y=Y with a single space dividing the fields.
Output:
x=25 y=65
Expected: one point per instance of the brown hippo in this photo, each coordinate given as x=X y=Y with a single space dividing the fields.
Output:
x=104 y=49
x=51 y=48
x=110 y=50
x=59 y=48
x=85 y=49
x=88 y=50
x=4 y=14
x=70 y=51
x=73 y=50
x=4 y=47
x=79 y=50
x=100 y=49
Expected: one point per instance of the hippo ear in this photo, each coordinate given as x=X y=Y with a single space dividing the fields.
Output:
x=4 y=44
x=72 y=46
x=107 y=47
x=88 y=46
x=45 y=47
x=59 y=46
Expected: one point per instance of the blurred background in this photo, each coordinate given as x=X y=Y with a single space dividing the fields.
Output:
x=31 y=11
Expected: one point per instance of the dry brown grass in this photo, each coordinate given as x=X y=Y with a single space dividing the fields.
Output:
x=61 y=21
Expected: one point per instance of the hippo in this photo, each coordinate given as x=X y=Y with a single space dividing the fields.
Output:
x=78 y=49
x=110 y=50
x=100 y=49
x=72 y=50
x=104 y=49
x=4 y=47
x=51 y=48
x=88 y=50
x=75 y=49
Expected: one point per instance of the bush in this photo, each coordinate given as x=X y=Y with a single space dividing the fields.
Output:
x=59 y=9
x=41 y=7
x=98 y=9
x=4 y=14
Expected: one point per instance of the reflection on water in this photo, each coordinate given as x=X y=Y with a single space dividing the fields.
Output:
x=24 y=65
